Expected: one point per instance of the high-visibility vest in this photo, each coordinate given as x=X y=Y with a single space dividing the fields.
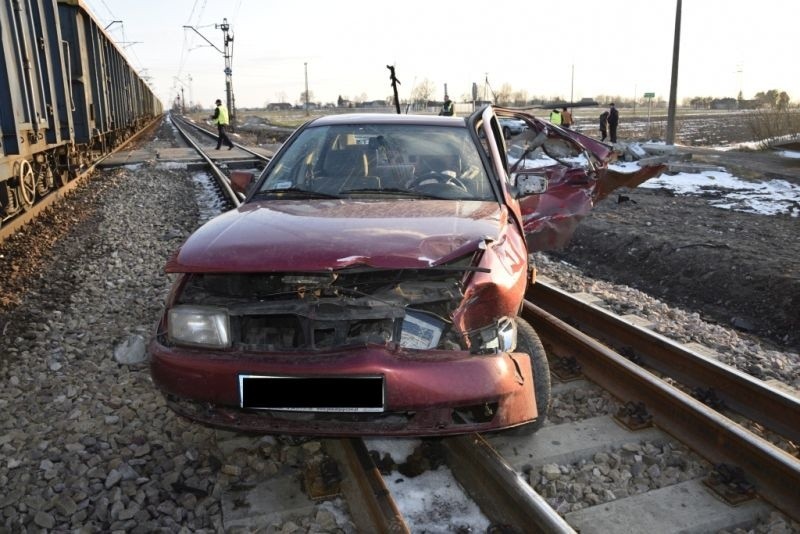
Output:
x=555 y=117
x=222 y=117
x=447 y=109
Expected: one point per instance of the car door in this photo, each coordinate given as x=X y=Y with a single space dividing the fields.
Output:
x=577 y=176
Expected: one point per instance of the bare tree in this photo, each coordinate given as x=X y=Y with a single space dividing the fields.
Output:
x=422 y=92
x=520 y=98
x=306 y=97
x=783 y=101
x=503 y=95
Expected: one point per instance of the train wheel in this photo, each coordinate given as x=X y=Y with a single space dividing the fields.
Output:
x=26 y=184
x=528 y=341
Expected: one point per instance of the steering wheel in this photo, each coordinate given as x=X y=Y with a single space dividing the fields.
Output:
x=438 y=178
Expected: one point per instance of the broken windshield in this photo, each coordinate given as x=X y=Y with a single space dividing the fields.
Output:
x=429 y=161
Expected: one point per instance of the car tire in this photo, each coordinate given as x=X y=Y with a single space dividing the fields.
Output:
x=506 y=132
x=528 y=342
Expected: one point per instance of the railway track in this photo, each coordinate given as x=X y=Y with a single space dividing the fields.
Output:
x=691 y=468
x=56 y=194
x=735 y=477
x=202 y=140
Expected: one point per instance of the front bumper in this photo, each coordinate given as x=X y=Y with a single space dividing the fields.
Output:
x=426 y=393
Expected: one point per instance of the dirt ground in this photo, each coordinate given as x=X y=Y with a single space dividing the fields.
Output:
x=736 y=269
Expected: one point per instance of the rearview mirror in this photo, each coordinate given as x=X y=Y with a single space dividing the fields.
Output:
x=529 y=183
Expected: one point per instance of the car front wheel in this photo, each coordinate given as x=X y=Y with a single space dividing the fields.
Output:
x=528 y=341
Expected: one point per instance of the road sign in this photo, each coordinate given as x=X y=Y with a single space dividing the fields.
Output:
x=649 y=95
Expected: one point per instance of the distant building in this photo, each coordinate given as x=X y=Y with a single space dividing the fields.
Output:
x=725 y=103
x=279 y=106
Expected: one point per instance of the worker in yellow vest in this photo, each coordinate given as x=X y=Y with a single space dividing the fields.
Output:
x=447 y=107
x=555 y=117
x=220 y=118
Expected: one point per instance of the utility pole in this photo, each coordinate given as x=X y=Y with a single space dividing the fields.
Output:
x=572 y=86
x=183 y=96
x=227 y=53
x=305 y=66
x=673 y=86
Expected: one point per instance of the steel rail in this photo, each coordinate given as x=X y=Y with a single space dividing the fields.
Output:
x=776 y=474
x=498 y=490
x=212 y=135
x=740 y=392
x=371 y=504
x=219 y=176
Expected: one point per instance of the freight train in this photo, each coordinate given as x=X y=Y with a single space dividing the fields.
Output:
x=67 y=97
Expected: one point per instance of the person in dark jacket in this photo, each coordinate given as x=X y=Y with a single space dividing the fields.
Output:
x=613 y=121
x=566 y=118
x=603 y=125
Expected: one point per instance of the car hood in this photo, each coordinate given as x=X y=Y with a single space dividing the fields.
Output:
x=320 y=235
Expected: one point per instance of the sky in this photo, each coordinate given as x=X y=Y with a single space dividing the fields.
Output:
x=582 y=48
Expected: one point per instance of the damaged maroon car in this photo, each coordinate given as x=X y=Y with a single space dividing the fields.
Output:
x=371 y=281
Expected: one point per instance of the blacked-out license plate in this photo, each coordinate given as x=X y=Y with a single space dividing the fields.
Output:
x=340 y=394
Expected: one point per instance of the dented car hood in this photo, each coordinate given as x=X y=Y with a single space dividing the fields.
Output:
x=291 y=235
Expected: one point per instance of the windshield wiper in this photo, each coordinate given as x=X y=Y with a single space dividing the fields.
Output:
x=295 y=192
x=392 y=191
x=388 y=190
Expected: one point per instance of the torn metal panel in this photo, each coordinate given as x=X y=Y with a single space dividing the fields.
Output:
x=577 y=177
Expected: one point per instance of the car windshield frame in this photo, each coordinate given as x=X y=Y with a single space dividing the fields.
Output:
x=383 y=160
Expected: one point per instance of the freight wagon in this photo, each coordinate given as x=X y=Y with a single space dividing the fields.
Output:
x=67 y=97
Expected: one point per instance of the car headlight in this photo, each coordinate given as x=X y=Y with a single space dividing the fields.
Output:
x=499 y=337
x=202 y=326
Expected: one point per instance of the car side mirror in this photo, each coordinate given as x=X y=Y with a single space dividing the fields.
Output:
x=528 y=183
x=241 y=181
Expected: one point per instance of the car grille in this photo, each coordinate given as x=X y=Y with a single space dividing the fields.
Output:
x=317 y=311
